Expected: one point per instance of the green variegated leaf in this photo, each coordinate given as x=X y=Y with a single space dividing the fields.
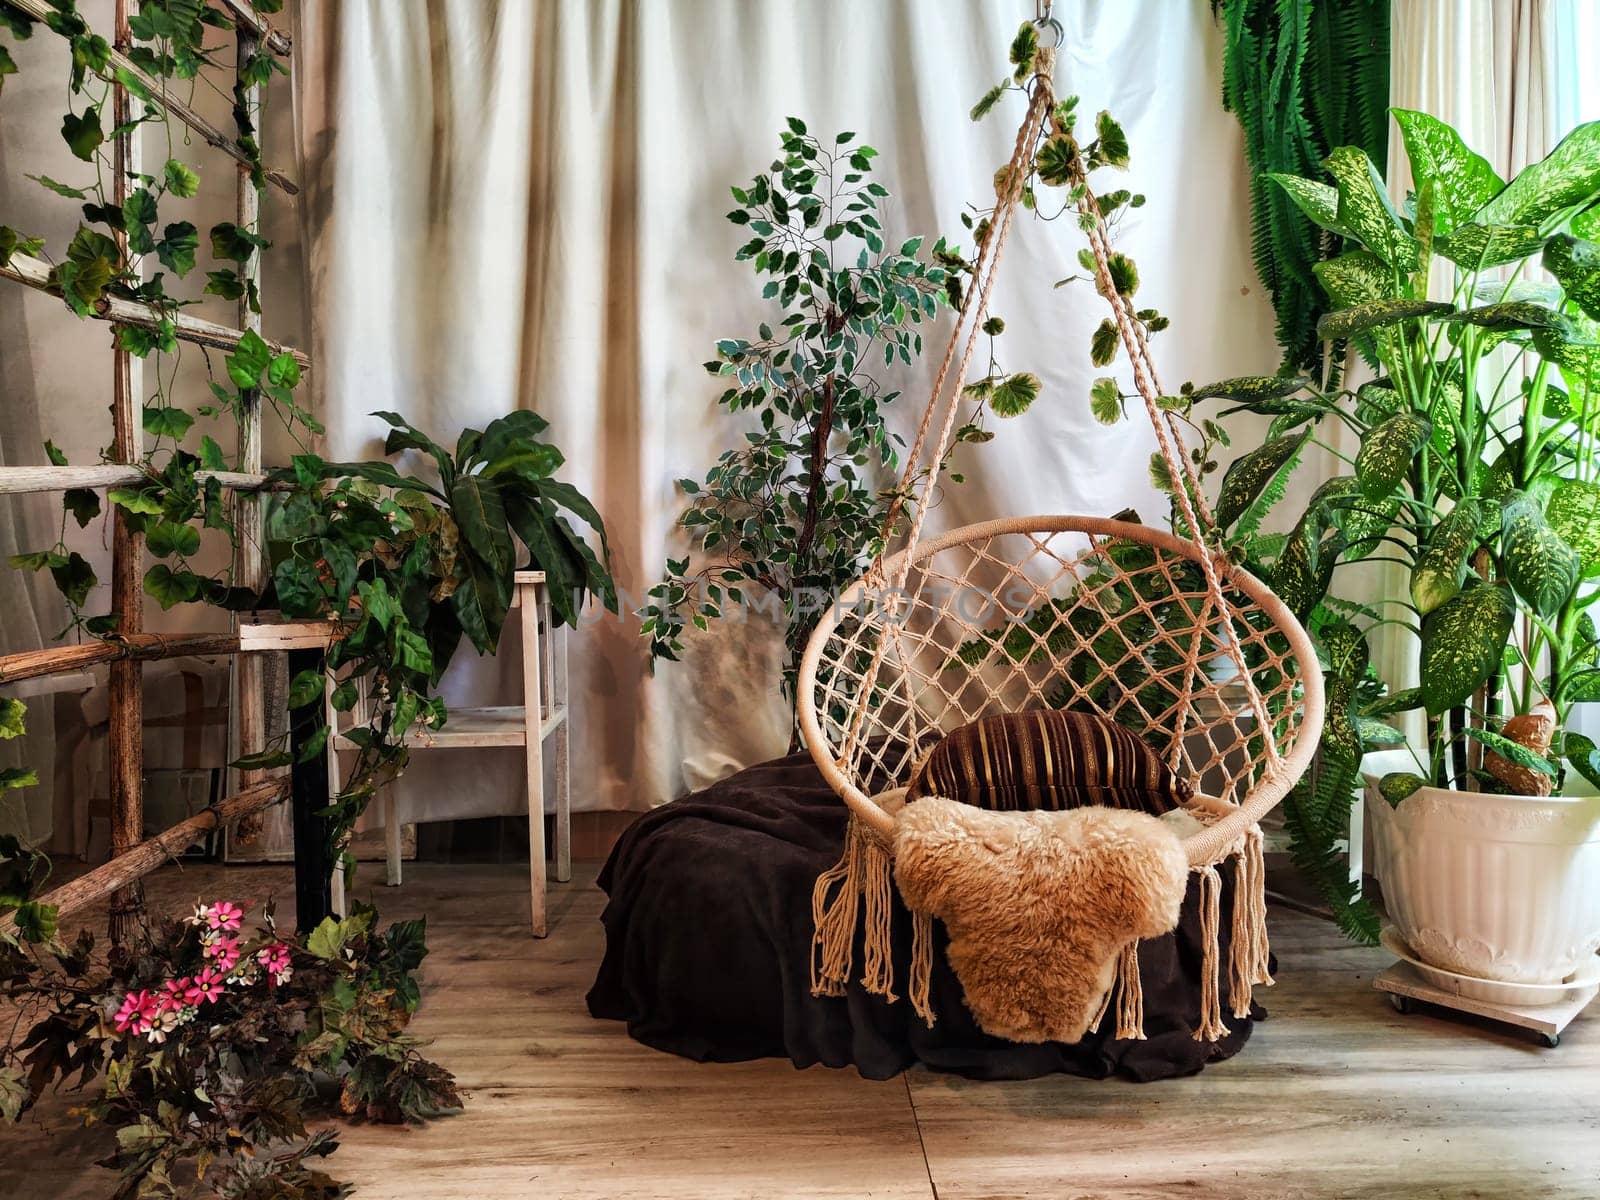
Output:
x=1496 y=291
x=1397 y=785
x=1538 y=563
x=1462 y=643
x=1584 y=756
x=13 y=713
x=1387 y=450
x=1396 y=702
x=1304 y=569
x=1514 y=752
x=1317 y=200
x=1250 y=388
x=1377 y=733
x=1345 y=649
x=1248 y=476
x=1576 y=263
x=1464 y=181
x=1573 y=511
x=1442 y=567
x=1015 y=394
x=1355 y=277
x=1510 y=316
x=1105 y=400
x=1375 y=314
x=1569 y=177
x=1339 y=504
x=1476 y=247
x=1366 y=211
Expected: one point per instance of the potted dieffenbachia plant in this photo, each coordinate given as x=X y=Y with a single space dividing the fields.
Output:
x=1476 y=301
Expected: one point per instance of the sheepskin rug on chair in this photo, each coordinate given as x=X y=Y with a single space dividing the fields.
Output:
x=1038 y=905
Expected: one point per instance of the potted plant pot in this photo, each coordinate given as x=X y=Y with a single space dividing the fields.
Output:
x=1498 y=887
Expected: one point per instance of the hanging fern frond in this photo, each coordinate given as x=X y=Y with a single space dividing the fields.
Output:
x=1304 y=77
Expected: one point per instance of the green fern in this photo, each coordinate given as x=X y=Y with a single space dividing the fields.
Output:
x=1304 y=77
x=1316 y=812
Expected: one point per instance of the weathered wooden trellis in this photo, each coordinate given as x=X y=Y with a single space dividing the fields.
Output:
x=132 y=856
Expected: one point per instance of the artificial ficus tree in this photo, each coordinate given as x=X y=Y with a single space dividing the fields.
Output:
x=797 y=512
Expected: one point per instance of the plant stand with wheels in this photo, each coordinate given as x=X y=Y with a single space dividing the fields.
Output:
x=1406 y=988
x=541 y=717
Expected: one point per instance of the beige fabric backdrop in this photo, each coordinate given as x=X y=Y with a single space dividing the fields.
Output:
x=522 y=204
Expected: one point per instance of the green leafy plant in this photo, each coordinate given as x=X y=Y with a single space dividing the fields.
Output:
x=797 y=512
x=412 y=565
x=210 y=1050
x=1303 y=78
x=1478 y=472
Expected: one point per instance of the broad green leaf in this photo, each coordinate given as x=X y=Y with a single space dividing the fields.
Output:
x=480 y=513
x=1397 y=702
x=1014 y=394
x=1568 y=177
x=82 y=132
x=1538 y=563
x=1462 y=644
x=1317 y=200
x=283 y=371
x=15 y=778
x=1248 y=388
x=1514 y=752
x=166 y=538
x=74 y=578
x=1355 y=277
x=1441 y=568
x=1112 y=143
x=176 y=249
x=1476 y=247
x=1573 y=511
x=12 y=717
x=36 y=922
x=1104 y=343
x=1301 y=575
x=249 y=360
x=1397 y=785
x=1584 y=756
x=1464 y=181
x=171 y=587
x=182 y=181
x=1374 y=732
x=82 y=503
x=1366 y=211
x=1057 y=161
x=1387 y=451
x=1576 y=264
x=135 y=500
x=1375 y=314
x=167 y=422
x=1510 y=316
x=1105 y=400
x=1248 y=475
x=306 y=688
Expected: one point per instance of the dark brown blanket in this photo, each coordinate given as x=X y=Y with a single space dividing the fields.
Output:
x=708 y=941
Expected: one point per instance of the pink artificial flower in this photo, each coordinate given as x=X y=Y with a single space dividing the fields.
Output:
x=174 y=994
x=224 y=915
x=224 y=951
x=207 y=987
x=275 y=958
x=133 y=1005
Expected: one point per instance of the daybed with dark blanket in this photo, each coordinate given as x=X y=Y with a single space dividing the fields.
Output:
x=708 y=943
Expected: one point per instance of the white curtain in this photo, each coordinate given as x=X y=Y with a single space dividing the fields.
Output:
x=522 y=204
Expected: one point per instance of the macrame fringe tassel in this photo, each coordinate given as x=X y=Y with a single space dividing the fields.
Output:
x=1211 y=1027
x=1130 y=995
x=860 y=888
x=1250 y=951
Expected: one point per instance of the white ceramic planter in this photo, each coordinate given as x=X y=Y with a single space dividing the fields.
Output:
x=1500 y=887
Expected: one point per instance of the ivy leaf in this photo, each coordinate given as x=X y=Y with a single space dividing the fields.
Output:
x=1538 y=563
x=235 y=243
x=249 y=359
x=12 y=715
x=177 y=247
x=227 y=284
x=1113 y=143
x=167 y=422
x=12 y=778
x=1103 y=344
x=1463 y=641
x=283 y=371
x=1387 y=450
x=1057 y=161
x=135 y=500
x=82 y=132
x=1024 y=48
x=1124 y=274
x=170 y=587
x=1248 y=476
x=82 y=503
x=1105 y=400
x=74 y=578
x=166 y=538
x=182 y=181
x=1014 y=394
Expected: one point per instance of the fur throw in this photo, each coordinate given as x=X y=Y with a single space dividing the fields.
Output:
x=1038 y=905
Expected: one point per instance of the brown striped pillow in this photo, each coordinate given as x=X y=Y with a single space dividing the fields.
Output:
x=1048 y=759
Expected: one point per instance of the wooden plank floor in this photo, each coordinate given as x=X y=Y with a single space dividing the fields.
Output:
x=1336 y=1096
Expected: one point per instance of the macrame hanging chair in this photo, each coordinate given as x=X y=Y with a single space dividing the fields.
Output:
x=1160 y=632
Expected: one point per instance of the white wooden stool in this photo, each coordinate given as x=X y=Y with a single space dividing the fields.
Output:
x=542 y=715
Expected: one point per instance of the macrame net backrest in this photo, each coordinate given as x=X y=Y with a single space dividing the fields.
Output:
x=1159 y=632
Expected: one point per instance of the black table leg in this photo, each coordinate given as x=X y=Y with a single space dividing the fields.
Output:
x=313 y=854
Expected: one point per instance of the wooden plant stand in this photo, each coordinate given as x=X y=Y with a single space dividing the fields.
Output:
x=1406 y=986
x=541 y=717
